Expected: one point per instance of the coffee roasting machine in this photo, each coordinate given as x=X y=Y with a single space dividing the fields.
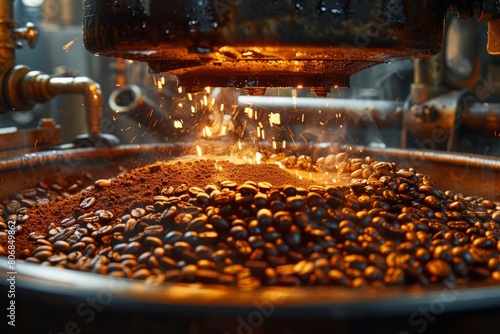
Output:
x=414 y=76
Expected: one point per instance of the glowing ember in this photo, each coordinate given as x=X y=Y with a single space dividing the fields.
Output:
x=178 y=124
x=68 y=45
x=249 y=112
x=258 y=158
x=274 y=118
x=207 y=132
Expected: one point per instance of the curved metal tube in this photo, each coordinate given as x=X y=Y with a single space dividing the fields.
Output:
x=36 y=87
x=21 y=88
x=92 y=95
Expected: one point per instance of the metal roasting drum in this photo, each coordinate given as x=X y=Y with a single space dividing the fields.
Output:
x=263 y=48
x=209 y=308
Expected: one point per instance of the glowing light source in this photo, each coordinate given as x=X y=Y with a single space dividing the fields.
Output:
x=178 y=124
x=68 y=45
x=249 y=112
x=207 y=132
x=258 y=157
x=274 y=118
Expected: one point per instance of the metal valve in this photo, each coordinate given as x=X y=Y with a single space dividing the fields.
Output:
x=28 y=33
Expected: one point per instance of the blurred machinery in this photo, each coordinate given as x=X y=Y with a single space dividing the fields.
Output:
x=267 y=72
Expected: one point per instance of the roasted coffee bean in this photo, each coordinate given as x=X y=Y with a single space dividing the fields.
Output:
x=63 y=235
x=107 y=229
x=137 y=212
x=483 y=242
x=13 y=206
x=153 y=230
x=87 y=202
x=132 y=248
x=43 y=242
x=239 y=232
x=104 y=215
x=304 y=267
x=247 y=189
x=62 y=246
x=337 y=277
x=70 y=221
x=199 y=224
x=296 y=203
x=36 y=236
x=438 y=268
x=102 y=183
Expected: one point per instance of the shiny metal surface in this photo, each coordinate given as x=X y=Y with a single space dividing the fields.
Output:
x=448 y=169
x=202 y=305
x=255 y=43
x=333 y=302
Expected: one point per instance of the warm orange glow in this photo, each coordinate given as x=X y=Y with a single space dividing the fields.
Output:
x=274 y=118
x=178 y=124
x=68 y=45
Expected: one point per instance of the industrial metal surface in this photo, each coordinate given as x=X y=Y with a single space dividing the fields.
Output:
x=478 y=175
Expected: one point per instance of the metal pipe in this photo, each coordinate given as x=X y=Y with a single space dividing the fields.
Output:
x=483 y=118
x=361 y=112
x=132 y=101
x=25 y=88
x=21 y=88
x=7 y=47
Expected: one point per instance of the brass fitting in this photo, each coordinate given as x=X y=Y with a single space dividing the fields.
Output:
x=21 y=88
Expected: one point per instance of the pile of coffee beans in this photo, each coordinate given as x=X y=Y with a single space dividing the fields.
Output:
x=387 y=226
x=15 y=207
